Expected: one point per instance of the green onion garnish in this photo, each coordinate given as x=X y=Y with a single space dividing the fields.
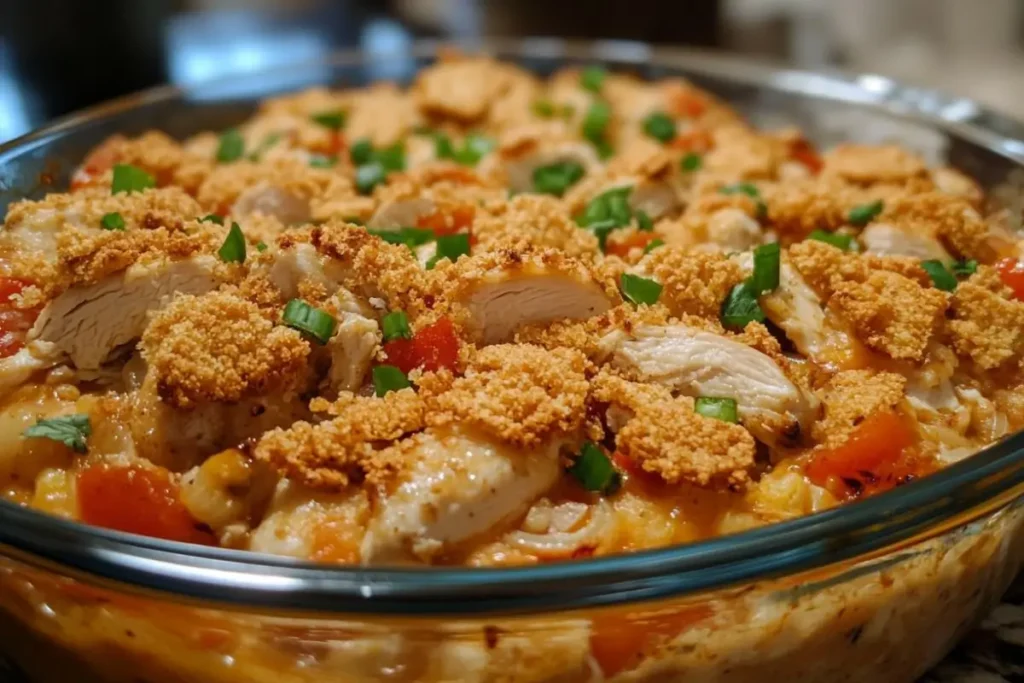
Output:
x=643 y=221
x=865 y=213
x=838 y=240
x=556 y=178
x=941 y=278
x=361 y=151
x=317 y=323
x=639 y=290
x=594 y=470
x=596 y=120
x=268 y=142
x=723 y=409
x=69 y=430
x=128 y=178
x=368 y=176
x=474 y=148
x=388 y=378
x=391 y=158
x=231 y=146
x=543 y=108
x=964 y=268
x=410 y=237
x=112 y=221
x=592 y=78
x=233 y=249
x=606 y=212
x=748 y=189
x=396 y=326
x=654 y=244
x=261 y=246
x=443 y=148
x=660 y=126
x=212 y=218
x=450 y=247
x=321 y=161
x=335 y=120
x=741 y=307
x=767 y=258
x=604 y=149
x=691 y=162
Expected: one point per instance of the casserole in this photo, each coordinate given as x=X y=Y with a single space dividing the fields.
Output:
x=819 y=598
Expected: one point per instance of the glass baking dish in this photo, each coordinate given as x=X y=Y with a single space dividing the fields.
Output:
x=874 y=591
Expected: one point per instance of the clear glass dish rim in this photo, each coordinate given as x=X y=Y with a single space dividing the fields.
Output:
x=237 y=579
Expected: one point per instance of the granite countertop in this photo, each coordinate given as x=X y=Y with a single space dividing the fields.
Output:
x=993 y=652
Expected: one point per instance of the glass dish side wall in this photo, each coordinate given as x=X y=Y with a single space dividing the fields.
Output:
x=886 y=620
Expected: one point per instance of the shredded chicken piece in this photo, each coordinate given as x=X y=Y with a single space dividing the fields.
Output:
x=220 y=347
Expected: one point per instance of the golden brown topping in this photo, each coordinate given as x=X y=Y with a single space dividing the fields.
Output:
x=588 y=336
x=852 y=395
x=462 y=89
x=381 y=113
x=345 y=450
x=866 y=165
x=292 y=178
x=157 y=154
x=220 y=347
x=694 y=284
x=952 y=220
x=538 y=220
x=522 y=394
x=988 y=322
x=666 y=437
x=742 y=154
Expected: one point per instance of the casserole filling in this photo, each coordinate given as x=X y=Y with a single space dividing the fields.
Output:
x=494 y=320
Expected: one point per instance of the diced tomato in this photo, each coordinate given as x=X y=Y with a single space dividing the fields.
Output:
x=688 y=103
x=620 y=643
x=337 y=143
x=459 y=219
x=805 y=153
x=636 y=240
x=97 y=162
x=877 y=456
x=1011 y=272
x=432 y=347
x=137 y=500
x=696 y=140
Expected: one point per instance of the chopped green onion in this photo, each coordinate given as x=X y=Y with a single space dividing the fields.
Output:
x=604 y=149
x=315 y=322
x=443 y=148
x=69 y=430
x=723 y=409
x=767 y=258
x=233 y=249
x=268 y=142
x=335 y=120
x=964 y=268
x=838 y=240
x=601 y=231
x=691 y=162
x=748 y=189
x=231 y=146
x=396 y=326
x=112 y=221
x=741 y=307
x=640 y=290
x=450 y=247
x=543 y=108
x=474 y=148
x=261 y=246
x=865 y=213
x=556 y=178
x=361 y=151
x=321 y=161
x=368 y=176
x=643 y=221
x=594 y=470
x=596 y=121
x=212 y=218
x=592 y=78
x=128 y=178
x=653 y=244
x=660 y=126
x=391 y=158
x=410 y=237
x=606 y=212
x=941 y=278
x=387 y=378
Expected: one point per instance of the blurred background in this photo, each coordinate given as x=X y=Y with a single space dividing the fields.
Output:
x=57 y=56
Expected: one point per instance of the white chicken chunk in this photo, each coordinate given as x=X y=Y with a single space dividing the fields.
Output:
x=459 y=485
x=398 y=213
x=271 y=200
x=352 y=348
x=888 y=240
x=298 y=518
x=502 y=302
x=88 y=323
x=733 y=230
x=698 y=363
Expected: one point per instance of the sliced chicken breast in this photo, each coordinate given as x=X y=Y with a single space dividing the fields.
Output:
x=88 y=323
x=733 y=230
x=698 y=363
x=399 y=213
x=352 y=348
x=299 y=263
x=888 y=240
x=460 y=484
x=271 y=200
